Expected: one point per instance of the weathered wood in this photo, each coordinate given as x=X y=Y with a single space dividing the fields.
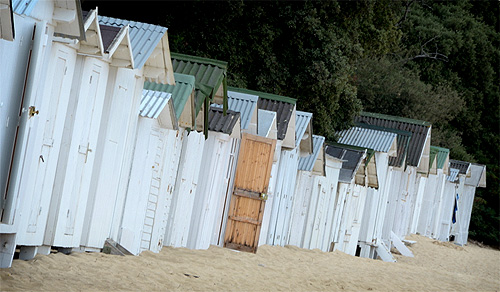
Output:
x=400 y=246
x=112 y=247
x=252 y=179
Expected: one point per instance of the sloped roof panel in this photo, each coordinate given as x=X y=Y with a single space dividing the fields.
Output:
x=283 y=111
x=152 y=103
x=307 y=163
x=462 y=166
x=302 y=120
x=108 y=34
x=453 y=175
x=369 y=138
x=402 y=140
x=184 y=85
x=218 y=122
x=243 y=103
x=352 y=159
x=418 y=129
x=23 y=6
x=441 y=155
x=477 y=171
x=143 y=37
x=208 y=73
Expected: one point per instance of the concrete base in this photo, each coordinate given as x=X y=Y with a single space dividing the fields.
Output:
x=7 y=249
x=27 y=252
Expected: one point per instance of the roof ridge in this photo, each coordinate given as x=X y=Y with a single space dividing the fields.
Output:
x=265 y=95
x=395 y=118
x=197 y=59
x=132 y=23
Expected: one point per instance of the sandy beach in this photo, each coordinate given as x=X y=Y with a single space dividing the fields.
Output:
x=437 y=266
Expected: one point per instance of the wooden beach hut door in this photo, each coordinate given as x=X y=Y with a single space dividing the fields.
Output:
x=249 y=193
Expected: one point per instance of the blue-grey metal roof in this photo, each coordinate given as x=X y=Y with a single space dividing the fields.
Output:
x=367 y=138
x=307 y=163
x=143 y=37
x=418 y=129
x=352 y=159
x=23 y=6
x=302 y=120
x=153 y=102
x=243 y=103
x=218 y=122
x=453 y=177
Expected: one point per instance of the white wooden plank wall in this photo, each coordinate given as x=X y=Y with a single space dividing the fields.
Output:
x=110 y=151
x=271 y=190
x=430 y=202
x=179 y=221
x=416 y=205
x=438 y=204
x=283 y=198
x=211 y=191
x=302 y=196
x=220 y=224
x=465 y=214
x=450 y=191
x=332 y=171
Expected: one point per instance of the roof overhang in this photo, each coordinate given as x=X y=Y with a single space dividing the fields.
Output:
x=68 y=19
x=92 y=45
x=158 y=66
x=119 y=51
x=158 y=105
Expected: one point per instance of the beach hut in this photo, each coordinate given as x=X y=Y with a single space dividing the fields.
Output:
x=470 y=177
x=432 y=202
x=211 y=198
x=41 y=62
x=360 y=218
x=411 y=176
x=314 y=204
x=155 y=162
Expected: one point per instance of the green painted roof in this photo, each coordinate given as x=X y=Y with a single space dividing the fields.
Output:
x=395 y=118
x=209 y=74
x=441 y=154
x=181 y=91
x=265 y=95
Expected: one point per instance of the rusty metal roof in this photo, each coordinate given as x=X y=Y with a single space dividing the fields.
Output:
x=418 y=130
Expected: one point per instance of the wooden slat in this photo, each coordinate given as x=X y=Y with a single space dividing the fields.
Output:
x=245 y=220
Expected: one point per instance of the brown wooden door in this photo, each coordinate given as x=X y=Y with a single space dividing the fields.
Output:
x=248 y=198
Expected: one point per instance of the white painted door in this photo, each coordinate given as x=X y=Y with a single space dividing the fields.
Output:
x=52 y=117
x=109 y=167
x=81 y=157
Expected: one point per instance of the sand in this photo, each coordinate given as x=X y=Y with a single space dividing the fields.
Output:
x=437 y=266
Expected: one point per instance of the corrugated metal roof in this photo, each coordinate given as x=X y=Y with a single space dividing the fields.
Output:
x=418 y=129
x=352 y=159
x=209 y=74
x=217 y=122
x=144 y=37
x=184 y=85
x=302 y=120
x=441 y=155
x=478 y=171
x=462 y=166
x=402 y=140
x=283 y=111
x=243 y=103
x=282 y=105
x=23 y=6
x=307 y=163
x=370 y=138
x=453 y=175
x=153 y=102
x=266 y=95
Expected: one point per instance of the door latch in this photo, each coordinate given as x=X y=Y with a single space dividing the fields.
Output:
x=32 y=111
